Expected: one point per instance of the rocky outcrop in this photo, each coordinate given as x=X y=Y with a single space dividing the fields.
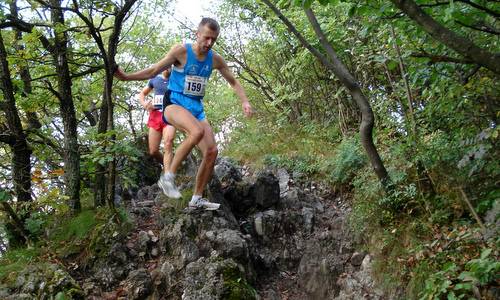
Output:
x=271 y=239
x=42 y=281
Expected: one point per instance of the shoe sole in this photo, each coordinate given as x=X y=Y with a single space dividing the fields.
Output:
x=205 y=208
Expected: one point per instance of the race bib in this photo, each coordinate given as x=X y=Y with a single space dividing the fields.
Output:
x=195 y=85
x=158 y=101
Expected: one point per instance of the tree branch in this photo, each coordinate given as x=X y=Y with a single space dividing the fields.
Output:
x=454 y=41
x=441 y=58
x=483 y=28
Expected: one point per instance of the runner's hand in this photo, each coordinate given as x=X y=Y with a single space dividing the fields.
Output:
x=149 y=106
x=247 y=109
x=120 y=74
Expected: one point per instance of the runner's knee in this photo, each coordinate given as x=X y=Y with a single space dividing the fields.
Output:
x=211 y=152
x=196 y=134
x=153 y=152
x=169 y=144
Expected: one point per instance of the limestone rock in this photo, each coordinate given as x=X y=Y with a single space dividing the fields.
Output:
x=266 y=190
x=138 y=284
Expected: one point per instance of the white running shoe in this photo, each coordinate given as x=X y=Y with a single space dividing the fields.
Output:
x=203 y=203
x=167 y=184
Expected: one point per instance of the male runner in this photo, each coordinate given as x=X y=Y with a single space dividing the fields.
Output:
x=193 y=65
x=157 y=128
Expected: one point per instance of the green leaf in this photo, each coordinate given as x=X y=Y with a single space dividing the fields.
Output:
x=451 y=296
x=485 y=253
x=61 y=296
x=467 y=277
x=392 y=65
x=4 y=196
x=352 y=10
x=463 y=287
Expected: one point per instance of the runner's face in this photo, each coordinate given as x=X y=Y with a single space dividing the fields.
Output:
x=206 y=38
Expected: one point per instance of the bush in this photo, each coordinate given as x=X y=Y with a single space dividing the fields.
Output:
x=453 y=283
x=347 y=161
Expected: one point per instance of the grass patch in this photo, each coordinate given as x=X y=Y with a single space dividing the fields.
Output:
x=311 y=151
x=236 y=286
x=76 y=227
x=15 y=260
x=89 y=233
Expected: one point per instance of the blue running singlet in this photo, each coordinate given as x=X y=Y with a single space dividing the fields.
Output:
x=187 y=85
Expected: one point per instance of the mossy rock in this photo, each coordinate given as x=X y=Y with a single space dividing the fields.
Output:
x=44 y=281
x=216 y=278
x=236 y=287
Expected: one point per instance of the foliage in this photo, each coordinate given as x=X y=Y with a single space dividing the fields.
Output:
x=235 y=285
x=436 y=125
x=453 y=283
x=15 y=260
x=106 y=150
x=89 y=232
x=76 y=227
x=348 y=160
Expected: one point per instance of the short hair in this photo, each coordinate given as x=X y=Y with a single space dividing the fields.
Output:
x=211 y=23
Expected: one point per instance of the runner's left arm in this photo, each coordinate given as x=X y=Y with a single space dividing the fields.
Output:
x=221 y=65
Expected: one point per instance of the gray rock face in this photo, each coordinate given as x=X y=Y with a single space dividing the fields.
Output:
x=203 y=280
x=108 y=270
x=227 y=172
x=266 y=223
x=358 y=284
x=292 y=242
x=228 y=242
x=283 y=179
x=138 y=284
x=214 y=278
x=357 y=259
x=243 y=195
x=146 y=194
x=266 y=190
x=42 y=281
x=177 y=241
x=308 y=215
x=292 y=199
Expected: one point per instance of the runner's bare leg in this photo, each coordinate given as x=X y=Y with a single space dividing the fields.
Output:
x=209 y=150
x=154 y=140
x=168 y=140
x=183 y=120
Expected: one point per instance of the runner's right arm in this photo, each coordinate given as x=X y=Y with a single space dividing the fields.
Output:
x=147 y=105
x=171 y=58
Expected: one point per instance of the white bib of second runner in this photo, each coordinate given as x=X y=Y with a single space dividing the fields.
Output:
x=158 y=101
x=194 y=85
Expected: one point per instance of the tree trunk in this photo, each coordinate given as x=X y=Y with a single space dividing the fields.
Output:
x=108 y=85
x=33 y=121
x=67 y=109
x=454 y=41
x=106 y=112
x=21 y=153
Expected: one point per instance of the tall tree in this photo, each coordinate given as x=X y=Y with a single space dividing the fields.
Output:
x=58 y=48
x=333 y=63
x=15 y=137
x=107 y=52
x=34 y=122
x=59 y=52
